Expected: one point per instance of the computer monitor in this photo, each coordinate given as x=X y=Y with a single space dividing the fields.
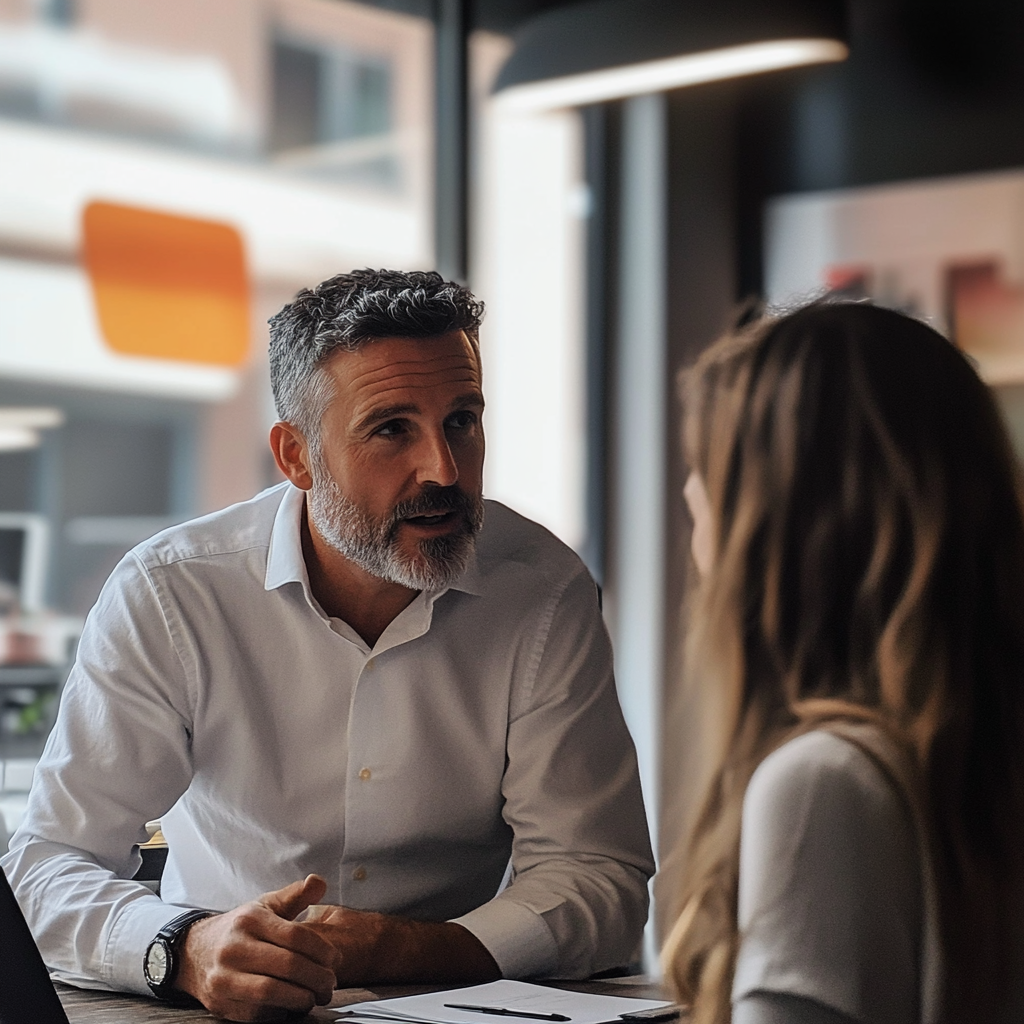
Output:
x=23 y=550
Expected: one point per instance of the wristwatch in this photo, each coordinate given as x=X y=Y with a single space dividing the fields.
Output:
x=160 y=964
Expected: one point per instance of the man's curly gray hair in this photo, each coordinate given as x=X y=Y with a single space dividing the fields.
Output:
x=348 y=311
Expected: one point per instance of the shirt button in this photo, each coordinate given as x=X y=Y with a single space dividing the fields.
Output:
x=369 y=664
x=359 y=874
x=365 y=773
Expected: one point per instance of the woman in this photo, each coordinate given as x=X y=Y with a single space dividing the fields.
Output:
x=860 y=619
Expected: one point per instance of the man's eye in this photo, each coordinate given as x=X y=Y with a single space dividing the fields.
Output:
x=462 y=419
x=391 y=428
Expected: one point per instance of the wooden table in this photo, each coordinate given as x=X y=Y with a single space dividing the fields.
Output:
x=84 y=1007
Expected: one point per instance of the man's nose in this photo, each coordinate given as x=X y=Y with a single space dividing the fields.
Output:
x=436 y=462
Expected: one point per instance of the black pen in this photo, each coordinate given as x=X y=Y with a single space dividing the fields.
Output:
x=500 y=1011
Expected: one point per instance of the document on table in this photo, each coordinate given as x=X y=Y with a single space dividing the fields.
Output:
x=533 y=1001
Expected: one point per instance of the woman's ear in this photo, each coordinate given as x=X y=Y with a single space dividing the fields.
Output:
x=702 y=541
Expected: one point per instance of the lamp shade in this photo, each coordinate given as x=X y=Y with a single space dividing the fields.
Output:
x=608 y=49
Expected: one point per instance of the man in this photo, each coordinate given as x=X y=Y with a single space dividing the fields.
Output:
x=358 y=689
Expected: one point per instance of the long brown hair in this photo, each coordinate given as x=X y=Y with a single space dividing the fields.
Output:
x=868 y=562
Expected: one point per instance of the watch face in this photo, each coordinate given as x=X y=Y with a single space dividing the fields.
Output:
x=156 y=963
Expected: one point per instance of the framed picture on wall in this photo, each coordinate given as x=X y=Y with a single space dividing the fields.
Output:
x=950 y=251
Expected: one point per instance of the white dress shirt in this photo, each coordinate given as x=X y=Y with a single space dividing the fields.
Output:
x=213 y=692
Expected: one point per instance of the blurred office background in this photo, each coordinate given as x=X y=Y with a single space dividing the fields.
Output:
x=611 y=177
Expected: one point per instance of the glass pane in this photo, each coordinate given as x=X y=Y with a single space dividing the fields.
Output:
x=171 y=172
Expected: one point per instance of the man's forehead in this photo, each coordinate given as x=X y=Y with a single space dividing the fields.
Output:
x=385 y=366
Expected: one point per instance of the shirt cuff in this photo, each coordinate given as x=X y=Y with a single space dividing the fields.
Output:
x=516 y=936
x=133 y=931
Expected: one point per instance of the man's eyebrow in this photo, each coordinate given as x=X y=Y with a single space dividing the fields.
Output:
x=468 y=399
x=386 y=412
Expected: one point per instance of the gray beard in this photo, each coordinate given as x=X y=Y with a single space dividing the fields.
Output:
x=372 y=543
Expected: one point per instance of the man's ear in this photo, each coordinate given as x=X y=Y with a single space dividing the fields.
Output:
x=291 y=453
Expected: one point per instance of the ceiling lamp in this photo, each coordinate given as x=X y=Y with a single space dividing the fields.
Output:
x=20 y=426
x=610 y=49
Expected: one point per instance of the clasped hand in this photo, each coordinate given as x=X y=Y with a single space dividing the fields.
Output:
x=257 y=963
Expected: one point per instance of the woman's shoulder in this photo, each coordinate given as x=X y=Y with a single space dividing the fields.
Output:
x=823 y=807
x=823 y=763
x=820 y=797
x=830 y=883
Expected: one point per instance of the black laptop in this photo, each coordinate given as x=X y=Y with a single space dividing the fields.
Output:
x=27 y=995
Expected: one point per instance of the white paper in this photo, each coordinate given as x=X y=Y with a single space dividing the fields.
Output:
x=579 y=1007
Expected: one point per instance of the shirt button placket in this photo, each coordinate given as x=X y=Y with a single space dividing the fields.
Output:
x=359 y=873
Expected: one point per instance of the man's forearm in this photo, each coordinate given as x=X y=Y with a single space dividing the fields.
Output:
x=383 y=949
x=427 y=952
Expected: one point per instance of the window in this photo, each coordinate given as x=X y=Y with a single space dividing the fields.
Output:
x=339 y=100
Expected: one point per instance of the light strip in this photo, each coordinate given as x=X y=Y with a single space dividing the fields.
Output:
x=27 y=417
x=14 y=439
x=669 y=73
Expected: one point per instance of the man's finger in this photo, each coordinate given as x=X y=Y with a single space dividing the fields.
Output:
x=293 y=899
x=259 y=924
x=258 y=936
x=293 y=969
x=249 y=998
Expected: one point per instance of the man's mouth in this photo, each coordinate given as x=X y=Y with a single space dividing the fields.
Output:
x=433 y=518
x=437 y=512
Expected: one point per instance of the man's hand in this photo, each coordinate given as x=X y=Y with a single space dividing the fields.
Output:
x=255 y=963
x=380 y=949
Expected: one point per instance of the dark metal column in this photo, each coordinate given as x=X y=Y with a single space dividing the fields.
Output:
x=451 y=138
x=601 y=156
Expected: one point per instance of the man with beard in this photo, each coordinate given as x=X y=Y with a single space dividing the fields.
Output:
x=365 y=689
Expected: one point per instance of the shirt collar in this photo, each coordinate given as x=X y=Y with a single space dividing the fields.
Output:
x=285 y=563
